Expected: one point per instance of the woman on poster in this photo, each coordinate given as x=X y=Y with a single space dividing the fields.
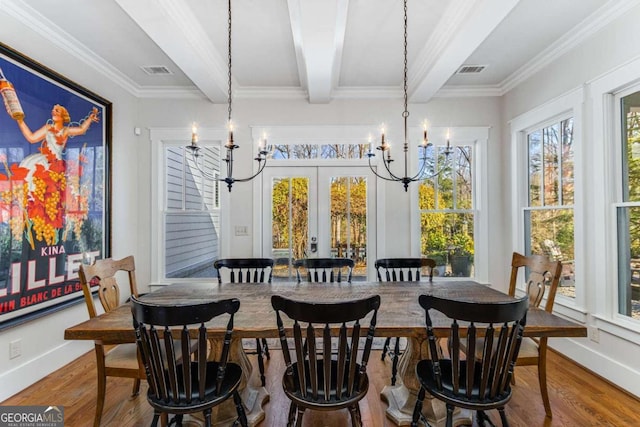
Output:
x=44 y=172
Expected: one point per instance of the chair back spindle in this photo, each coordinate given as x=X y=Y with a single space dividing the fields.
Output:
x=317 y=377
x=479 y=383
x=324 y=270
x=245 y=270
x=403 y=269
x=181 y=385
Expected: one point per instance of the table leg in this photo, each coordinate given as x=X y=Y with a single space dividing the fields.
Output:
x=254 y=396
x=401 y=398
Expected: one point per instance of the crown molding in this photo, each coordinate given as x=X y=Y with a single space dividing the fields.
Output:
x=464 y=91
x=37 y=22
x=602 y=17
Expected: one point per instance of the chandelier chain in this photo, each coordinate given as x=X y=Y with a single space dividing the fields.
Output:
x=229 y=62
x=405 y=113
x=405 y=59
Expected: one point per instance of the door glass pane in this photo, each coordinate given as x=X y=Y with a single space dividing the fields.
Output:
x=290 y=223
x=349 y=222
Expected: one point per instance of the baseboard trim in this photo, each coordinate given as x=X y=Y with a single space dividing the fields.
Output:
x=615 y=373
x=32 y=371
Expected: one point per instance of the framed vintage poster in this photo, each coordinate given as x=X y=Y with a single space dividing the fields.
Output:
x=55 y=141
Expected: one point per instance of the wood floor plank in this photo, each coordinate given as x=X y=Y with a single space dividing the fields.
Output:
x=578 y=398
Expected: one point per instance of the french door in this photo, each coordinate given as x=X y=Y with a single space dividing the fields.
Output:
x=319 y=212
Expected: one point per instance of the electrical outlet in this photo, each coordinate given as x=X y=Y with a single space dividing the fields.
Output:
x=15 y=349
x=594 y=334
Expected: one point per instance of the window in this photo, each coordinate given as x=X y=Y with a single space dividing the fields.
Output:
x=319 y=151
x=548 y=215
x=628 y=209
x=446 y=203
x=191 y=213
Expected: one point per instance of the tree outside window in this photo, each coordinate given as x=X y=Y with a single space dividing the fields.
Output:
x=548 y=216
x=447 y=212
x=628 y=210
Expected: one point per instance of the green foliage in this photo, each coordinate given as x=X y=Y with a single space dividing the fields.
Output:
x=443 y=233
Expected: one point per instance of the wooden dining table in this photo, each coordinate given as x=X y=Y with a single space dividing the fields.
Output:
x=399 y=316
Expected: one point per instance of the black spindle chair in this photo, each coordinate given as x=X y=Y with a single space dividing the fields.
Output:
x=324 y=270
x=400 y=270
x=314 y=378
x=477 y=384
x=249 y=270
x=183 y=386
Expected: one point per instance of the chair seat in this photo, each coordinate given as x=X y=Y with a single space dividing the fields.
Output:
x=528 y=354
x=122 y=356
x=230 y=383
x=424 y=371
x=321 y=403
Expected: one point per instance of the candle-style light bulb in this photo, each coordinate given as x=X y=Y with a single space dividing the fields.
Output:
x=194 y=134
x=382 y=141
x=425 y=139
x=263 y=145
x=369 y=141
x=230 y=125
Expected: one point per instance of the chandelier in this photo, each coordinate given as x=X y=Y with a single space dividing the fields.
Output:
x=385 y=147
x=230 y=145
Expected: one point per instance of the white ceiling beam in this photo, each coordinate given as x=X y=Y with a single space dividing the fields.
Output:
x=465 y=25
x=318 y=28
x=174 y=28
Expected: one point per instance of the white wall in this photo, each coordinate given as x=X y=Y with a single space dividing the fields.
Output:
x=448 y=112
x=615 y=356
x=43 y=347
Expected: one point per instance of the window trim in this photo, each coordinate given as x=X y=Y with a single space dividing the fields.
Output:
x=161 y=138
x=560 y=108
x=606 y=144
x=478 y=138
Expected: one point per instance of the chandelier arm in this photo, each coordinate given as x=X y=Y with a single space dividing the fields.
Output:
x=391 y=174
x=394 y=178
x=202 y=171
x=261 y=166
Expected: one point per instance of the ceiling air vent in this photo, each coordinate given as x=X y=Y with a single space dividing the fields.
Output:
x=156 y=70
x=471 y=69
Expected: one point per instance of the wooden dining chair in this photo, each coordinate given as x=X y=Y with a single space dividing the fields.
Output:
x=478 y=384
x=400 y=270
x=120 y=360
x=542 y=279
x=314 y=378
x=249 y=270
x=184 y=386
x=324 y=270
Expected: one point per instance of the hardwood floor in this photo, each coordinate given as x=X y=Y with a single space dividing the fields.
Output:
x=578 y=398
